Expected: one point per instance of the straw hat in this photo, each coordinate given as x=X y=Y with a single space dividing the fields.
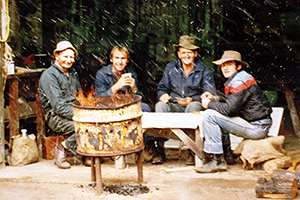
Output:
x=231 y=55
x=187 y=42
x=63 y=45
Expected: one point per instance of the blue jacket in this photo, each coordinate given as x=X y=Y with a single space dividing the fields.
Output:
x=106 y=78
x=174 y=82
x=57 y=90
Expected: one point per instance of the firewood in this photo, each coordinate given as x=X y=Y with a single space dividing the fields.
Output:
x=279 y=185
x=278 y=163
x=287 y=173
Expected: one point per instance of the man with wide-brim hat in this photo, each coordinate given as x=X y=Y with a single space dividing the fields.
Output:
x=184 y=81
x=243 y=111
x=231 y=55
x=57 y=88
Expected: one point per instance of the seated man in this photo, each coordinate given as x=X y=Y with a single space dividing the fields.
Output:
x=57 y=87
x=183 y=81
x=112 y=79
x=244 y=111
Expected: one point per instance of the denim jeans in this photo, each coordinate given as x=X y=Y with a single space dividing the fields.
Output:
x=216 y=124
x=175 y=107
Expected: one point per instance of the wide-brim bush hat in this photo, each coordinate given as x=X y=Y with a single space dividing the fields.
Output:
x=230 y=55
x=63 y=45
x=187 y=42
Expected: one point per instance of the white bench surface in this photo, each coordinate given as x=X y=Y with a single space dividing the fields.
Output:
x=276 y=116
x=171 y=120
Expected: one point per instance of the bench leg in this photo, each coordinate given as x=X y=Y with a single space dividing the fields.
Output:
x=199 y=143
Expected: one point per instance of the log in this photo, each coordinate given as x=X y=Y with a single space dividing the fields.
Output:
x=287 y=173
x=278 y=163
x=276 y=186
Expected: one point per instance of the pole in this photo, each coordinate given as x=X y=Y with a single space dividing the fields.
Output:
x=2 y=132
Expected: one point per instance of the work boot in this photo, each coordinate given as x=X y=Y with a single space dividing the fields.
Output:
x=149 y=151
x=190 y=159
x=60 y=157
x=160 y=156
x=216 y=164
x=229 y=156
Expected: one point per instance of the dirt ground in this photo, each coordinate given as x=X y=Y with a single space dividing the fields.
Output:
x=43 y=180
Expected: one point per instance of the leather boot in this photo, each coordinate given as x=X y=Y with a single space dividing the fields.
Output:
x=229 y=156
x=60 y=157
x=216 y=164
x=149 y=151
x=160 y=156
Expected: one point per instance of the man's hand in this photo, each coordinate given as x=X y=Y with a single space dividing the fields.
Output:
x=165 y=98
x=209 y=96
x=185 y=101
x=124 y=81
x=205 y=101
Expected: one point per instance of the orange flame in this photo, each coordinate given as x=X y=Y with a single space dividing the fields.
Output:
x=88 y=101
x=91 y=101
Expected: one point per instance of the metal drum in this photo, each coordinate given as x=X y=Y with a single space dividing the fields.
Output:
x=109 y=128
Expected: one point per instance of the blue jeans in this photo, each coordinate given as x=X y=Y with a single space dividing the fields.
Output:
x=216 y=124
x=175 y=107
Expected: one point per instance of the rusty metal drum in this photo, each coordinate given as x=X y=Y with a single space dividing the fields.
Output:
x=109 y=129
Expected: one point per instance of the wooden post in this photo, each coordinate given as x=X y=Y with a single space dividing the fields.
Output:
x=2 y=133
x=40 y=121
x=293 y=111
x=14 y=115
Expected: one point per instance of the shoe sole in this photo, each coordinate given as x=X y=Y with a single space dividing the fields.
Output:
x=211 y=171
x=61 y=167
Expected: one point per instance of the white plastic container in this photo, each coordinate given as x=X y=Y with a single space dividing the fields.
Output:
x=10 y=67
x=24 y=133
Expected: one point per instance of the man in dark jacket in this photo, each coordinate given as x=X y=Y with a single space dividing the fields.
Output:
x=244 y=111
x=57 y=88
x=184 y=81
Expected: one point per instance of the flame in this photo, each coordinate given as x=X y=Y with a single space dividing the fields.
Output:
x=91 y=101
x=88 y=101
x=121 y=99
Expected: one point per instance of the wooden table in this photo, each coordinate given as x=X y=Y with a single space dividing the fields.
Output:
x=170 y=125
x=13 y=81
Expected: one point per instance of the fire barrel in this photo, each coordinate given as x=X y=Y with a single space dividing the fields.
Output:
x=110 y=128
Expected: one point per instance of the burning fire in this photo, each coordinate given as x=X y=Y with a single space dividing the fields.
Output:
x=87 y=101
x=115 y=100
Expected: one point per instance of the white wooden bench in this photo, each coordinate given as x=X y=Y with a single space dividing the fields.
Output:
x=160 y=124
x=276 y=128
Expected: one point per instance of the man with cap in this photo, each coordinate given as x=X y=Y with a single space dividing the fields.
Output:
x=184 y=81
x=57 y=88
x=244 y=111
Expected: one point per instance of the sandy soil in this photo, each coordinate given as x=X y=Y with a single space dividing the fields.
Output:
x=43 y=180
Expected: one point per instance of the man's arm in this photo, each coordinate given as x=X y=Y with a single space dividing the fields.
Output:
x=53 y=92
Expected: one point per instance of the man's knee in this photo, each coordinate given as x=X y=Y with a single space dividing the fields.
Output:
x=146 y=107
x=161 y=107
x=194 y=106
